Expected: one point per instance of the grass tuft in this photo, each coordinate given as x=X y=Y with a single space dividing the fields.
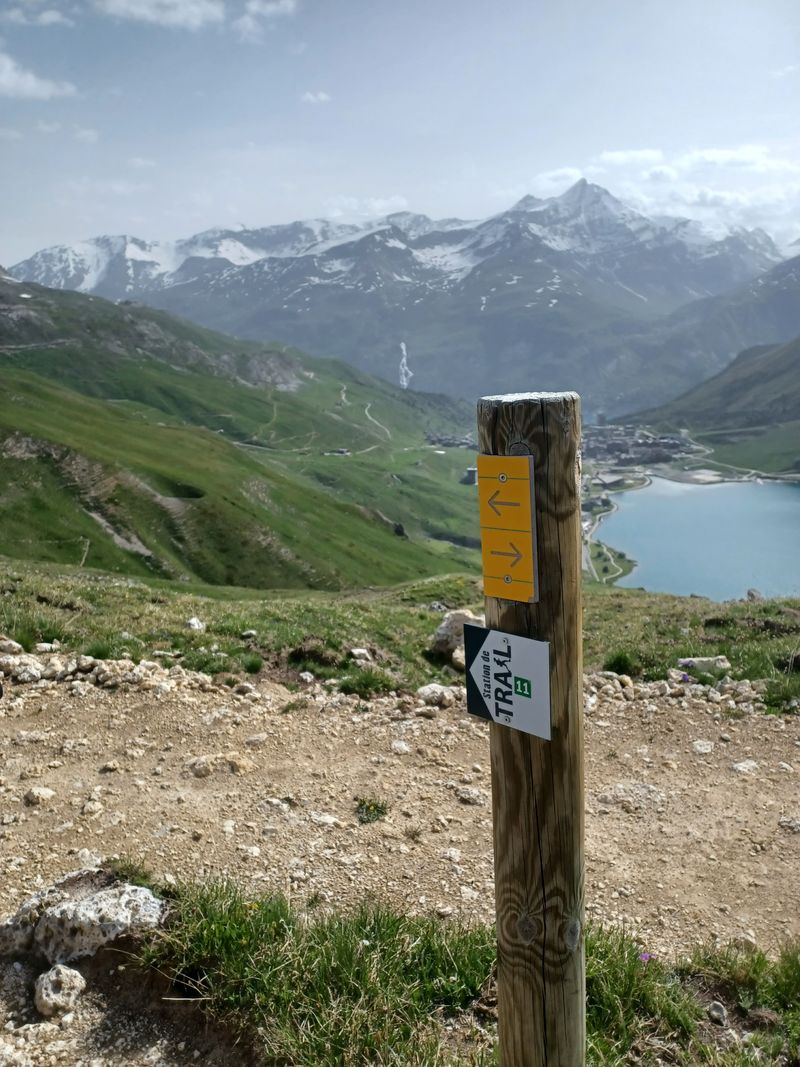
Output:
x=622 y=662
x=319 y=989
x=753 y=984
x=252 y=662
x=630 y=993
x=368 y=809
x=366 y=682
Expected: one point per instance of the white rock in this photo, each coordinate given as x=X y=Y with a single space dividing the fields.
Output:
x=786 y=822
x=247 y=635
x=77 y=928
x=27 y=673
x=321 y=818
x=459 y=659
x=702 y=747
x=9 y=647
x=435 y=695
x=362 y=654
x=470 y=795
x=57 y=990
x=195 y=624
x=706 y=663
x=307 y=677
x=38 y=794
x=632 y=796
x=401 y=747
x=450 y=631
x=746 y=766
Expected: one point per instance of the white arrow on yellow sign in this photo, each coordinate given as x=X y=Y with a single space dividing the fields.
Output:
x=508 y=524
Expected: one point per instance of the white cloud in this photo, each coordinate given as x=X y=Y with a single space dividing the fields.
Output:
x=250 y=26
x=753 y=157
x=318 y=97
x=270 y=9
x=23 y=84
x=660 y=174
x=18 y=16
x=7 y=134
x=367 y=207
x=141 y=163
x=47 y=127
x=182 y=14
x=249 y=29
x=785 y=72
x=86 y=135
x=627 y=156
x=552 y=182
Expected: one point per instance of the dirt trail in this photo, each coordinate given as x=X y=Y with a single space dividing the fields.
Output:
x=680 y=845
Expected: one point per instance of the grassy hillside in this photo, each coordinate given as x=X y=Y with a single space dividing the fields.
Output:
x=642 y=634
x=171 y=450
x=749 y=413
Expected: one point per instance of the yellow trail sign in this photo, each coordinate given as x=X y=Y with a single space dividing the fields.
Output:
x=508 y=523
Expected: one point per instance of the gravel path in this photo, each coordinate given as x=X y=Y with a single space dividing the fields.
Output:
x=692 y=807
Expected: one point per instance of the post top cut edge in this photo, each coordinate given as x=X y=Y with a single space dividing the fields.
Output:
x=513 y=397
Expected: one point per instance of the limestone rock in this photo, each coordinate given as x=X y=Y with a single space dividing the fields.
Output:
x=435 y=695
x=706 y=663
x=195 y=624
x=57 y=990
x=703 y=747
x=38 y=795
x=77 y=928
x=746 y=766
x=450 y=631
x=235 y=762
x=632 y=796
x=9 y=647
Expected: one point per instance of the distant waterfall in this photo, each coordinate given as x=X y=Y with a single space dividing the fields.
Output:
x=406 y=373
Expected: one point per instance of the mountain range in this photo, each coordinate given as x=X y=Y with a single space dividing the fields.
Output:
x=576 y=291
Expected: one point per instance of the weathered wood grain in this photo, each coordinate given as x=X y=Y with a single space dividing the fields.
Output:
x=537 y=785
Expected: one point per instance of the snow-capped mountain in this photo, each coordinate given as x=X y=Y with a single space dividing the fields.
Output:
x=530 y=293
x=586 y=223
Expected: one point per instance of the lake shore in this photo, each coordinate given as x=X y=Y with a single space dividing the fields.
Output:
x=717 y=539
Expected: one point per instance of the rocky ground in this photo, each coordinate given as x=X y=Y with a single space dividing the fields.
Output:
x=692 y=809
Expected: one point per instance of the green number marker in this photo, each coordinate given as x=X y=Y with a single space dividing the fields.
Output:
x=522 y=687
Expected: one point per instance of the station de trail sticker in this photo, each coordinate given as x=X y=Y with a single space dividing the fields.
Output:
x=508 y=679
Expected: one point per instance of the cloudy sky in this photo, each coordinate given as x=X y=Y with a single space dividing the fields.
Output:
x=164 y=117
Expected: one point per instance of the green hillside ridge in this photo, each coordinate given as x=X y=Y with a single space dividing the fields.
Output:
x=749 y=413
x=173 y=450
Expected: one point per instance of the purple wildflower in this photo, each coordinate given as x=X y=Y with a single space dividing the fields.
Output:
x=645 y=957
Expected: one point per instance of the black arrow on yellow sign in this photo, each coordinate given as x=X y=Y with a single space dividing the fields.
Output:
x=496 y=504
x=515 y=555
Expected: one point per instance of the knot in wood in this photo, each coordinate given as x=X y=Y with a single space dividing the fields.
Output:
x=528 y=927
x=572 y=934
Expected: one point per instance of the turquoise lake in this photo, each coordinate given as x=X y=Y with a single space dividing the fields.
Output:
x=715 y=540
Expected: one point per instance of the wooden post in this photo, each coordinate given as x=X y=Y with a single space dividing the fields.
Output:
x=537 y=785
